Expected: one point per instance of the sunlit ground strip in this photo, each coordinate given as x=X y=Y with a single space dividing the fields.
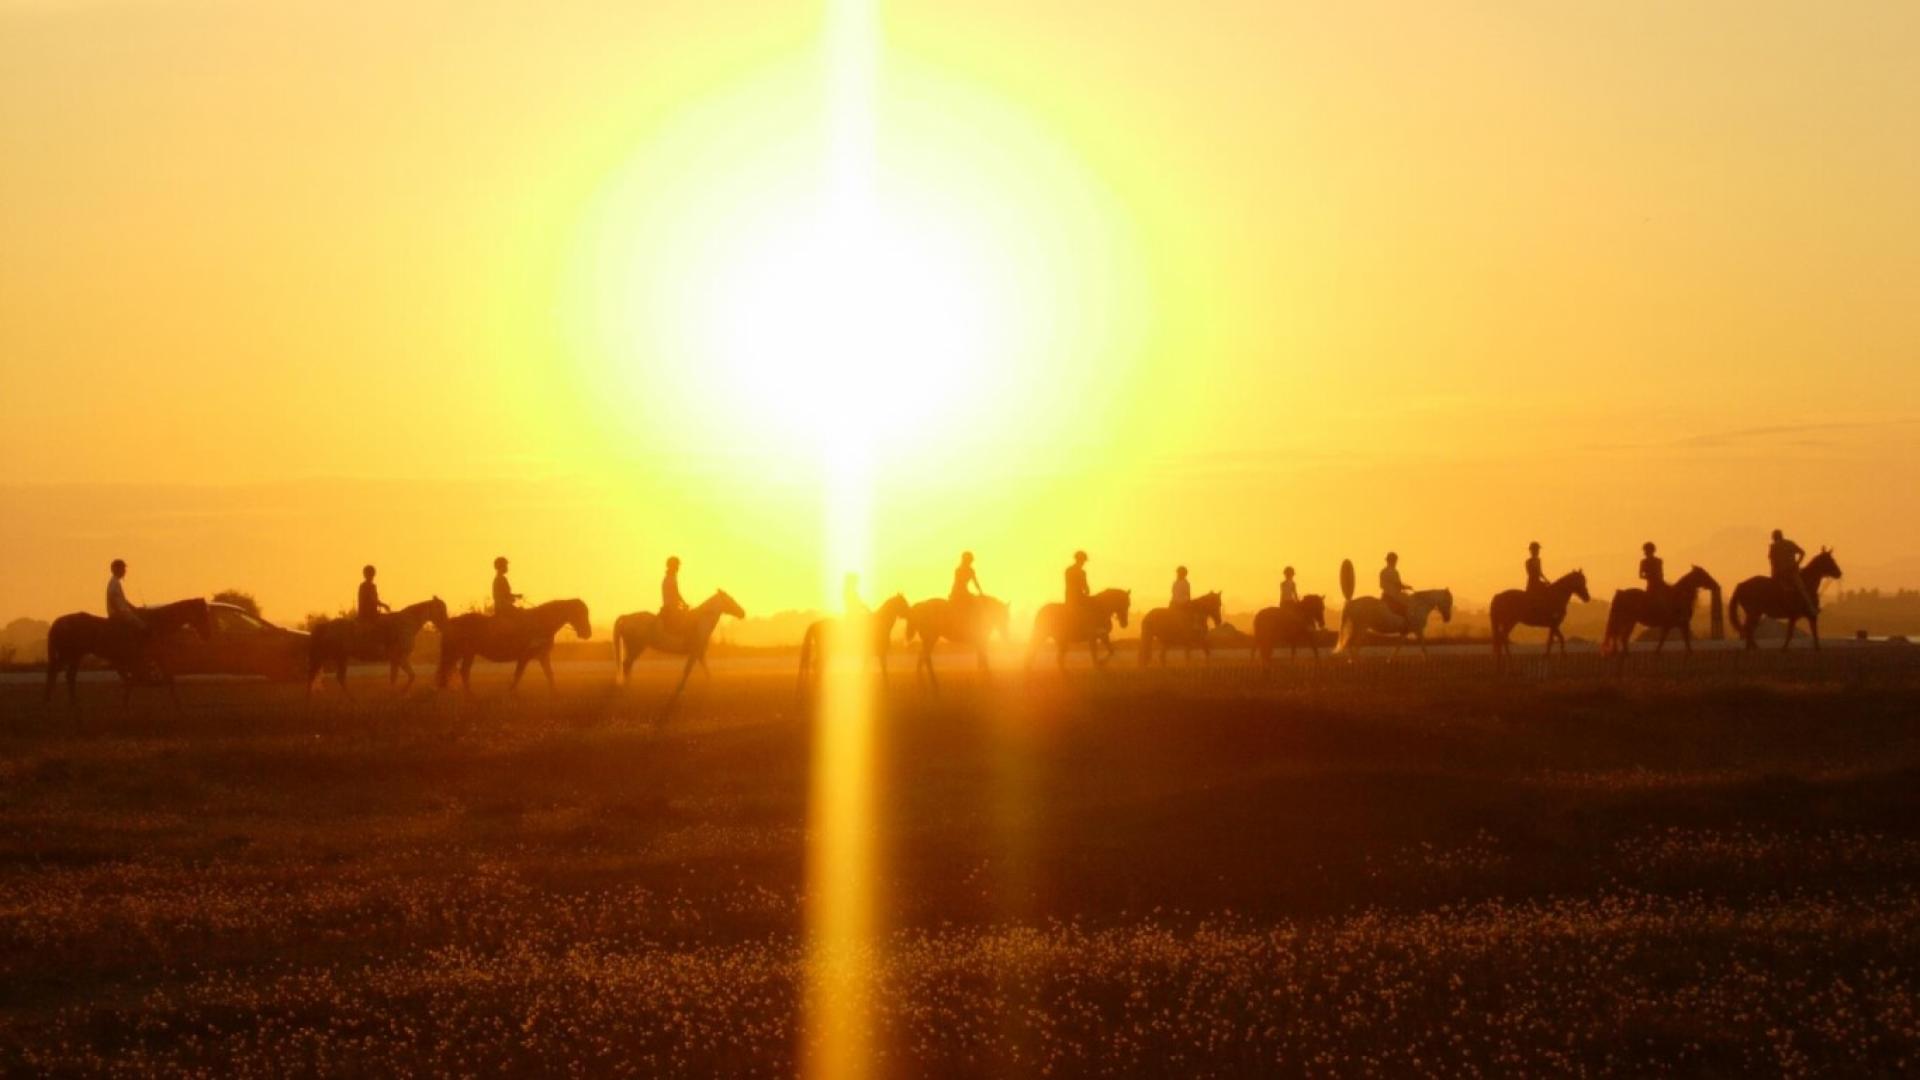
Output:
x=840 y=870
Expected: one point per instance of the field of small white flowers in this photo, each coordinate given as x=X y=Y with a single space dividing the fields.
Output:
x=1075 y=878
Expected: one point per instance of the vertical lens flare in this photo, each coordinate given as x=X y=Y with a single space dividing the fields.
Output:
x=840 y=871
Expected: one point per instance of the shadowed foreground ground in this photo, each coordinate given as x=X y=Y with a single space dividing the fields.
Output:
x=1082 y=877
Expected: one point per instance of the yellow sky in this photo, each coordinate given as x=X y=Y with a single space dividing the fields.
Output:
x=289 y=287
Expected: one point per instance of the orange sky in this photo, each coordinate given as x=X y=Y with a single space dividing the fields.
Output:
x=287 y=288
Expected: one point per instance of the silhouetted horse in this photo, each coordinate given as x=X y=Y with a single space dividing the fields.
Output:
x=635 y=633
x=879 y=633
x=1054 y=623
x=1762 y=598
x=973 y=622
x=1292 y=626
x=1633 y=608
x=388 y=637
x=521 y=637
x=1164 y=626
x=1371 y=614
x=1515 y=607
x=122 y=645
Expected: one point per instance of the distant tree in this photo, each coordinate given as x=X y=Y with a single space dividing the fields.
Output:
x=242 y=600
x=315 y=618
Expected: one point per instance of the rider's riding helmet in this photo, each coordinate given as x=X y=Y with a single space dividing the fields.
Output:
x=1180 y=571
x=1778 y=535
x=500 y=564
x=1647 y=547
x=118 y=566
x=673 y=562
x=1534 y=547
x=966 y=556
x=367 y=571
x=1288 y=571
x=1079 y=556
x=1393 y=556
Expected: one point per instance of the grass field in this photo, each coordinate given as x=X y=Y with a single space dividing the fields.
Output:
x=1079 y=876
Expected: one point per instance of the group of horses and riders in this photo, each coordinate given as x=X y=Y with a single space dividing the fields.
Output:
x=966 y=616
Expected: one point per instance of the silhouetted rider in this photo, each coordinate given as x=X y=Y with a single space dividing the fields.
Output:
x=966 y=582
x=1392 y=589
x=119 y=608
x=369 y=605
x=850 y=603
x=1536 y=577
x=1182 y=589
x=673 y=607
x=505 y=600
x=1077 y=591
x=1783 y=559
x=1289 y=592
x=1653 y=571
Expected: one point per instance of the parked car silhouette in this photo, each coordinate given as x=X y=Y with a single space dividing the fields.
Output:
x=239 y=645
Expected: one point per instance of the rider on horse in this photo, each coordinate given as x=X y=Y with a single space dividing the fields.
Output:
x=850 y=603
x=369 y=605
x=1077 y=591
x=1536 y=577
x=119 y=609
x=673 y=607
x=1783 y=559
x=1181 y=602
x=1289 y=592
x=505 y=600
x=1392 y=590
x=1653 y=571
x=966 y=584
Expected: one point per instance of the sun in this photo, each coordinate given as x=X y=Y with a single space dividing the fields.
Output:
x=776 y=271
x=848 y=319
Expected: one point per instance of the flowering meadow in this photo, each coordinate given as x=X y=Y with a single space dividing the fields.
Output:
x=1077 y=876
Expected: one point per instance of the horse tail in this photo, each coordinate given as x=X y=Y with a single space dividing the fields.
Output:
x=1719 y=629
x=1345 y=640
x=616 y=650
x=1735 y=608
x=1616 y=615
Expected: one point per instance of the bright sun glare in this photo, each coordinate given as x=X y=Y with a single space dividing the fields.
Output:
x=851 y=318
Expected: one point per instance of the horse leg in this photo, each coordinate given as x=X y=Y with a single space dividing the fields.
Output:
x=1788 y=640
x=466 y=675
x=519 y=669
x=406 y=666
x=546 y=668
x=626 y=662
x=1662 y=643
x=686 y=672
x=1813 y=628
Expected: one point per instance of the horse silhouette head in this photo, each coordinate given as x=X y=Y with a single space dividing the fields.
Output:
x=722 y=602
x=1579 y=582
x=577 y=618
x=437 y=613
x=1823 y=564
x=1446 y=605
x=1315 y=606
